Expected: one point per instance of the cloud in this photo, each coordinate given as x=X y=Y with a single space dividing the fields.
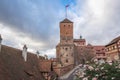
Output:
x=19 y=39
x=31 y=22
x=37 y=19
x=36 y=22
x=50 y=53
x=97 y=20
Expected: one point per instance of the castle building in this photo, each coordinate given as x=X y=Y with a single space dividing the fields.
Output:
x=100 y=52
x=113 y=49
x=71 y=52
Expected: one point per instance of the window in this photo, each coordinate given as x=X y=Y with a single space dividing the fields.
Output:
x=66 y=60
x=69 y=26
x=71 y=54
x=103 y=54
x=67 y=55
x=66 y=49
x=108 y=49
x=66 y=41
x=113 y=47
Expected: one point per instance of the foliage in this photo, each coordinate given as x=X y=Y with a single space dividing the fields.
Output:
x=100 y=71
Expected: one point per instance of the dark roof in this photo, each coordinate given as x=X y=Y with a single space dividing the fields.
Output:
x=66 y=21
x=79 y=40
x=13 y=66
x=114 y=41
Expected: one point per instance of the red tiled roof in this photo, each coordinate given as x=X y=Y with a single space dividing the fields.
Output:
x=13 y=66
x=45 y=65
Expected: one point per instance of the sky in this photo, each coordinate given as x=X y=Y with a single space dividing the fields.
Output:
x=36 y=22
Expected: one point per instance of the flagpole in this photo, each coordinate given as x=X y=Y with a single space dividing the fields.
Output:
x=66 y=10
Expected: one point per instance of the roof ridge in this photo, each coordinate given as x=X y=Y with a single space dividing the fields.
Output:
x=17 y=49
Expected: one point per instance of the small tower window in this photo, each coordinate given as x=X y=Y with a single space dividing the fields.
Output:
x=64 y=25
x=69 y=26
x=66 y=60
x=66 y=41
x=67 y=55
x=66 y=49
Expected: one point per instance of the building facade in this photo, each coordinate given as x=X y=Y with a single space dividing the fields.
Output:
x=65 y=49
x=113 y=49
x=100 y=52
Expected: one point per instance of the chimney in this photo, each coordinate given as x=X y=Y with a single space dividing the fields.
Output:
x=38 y=54
x=0 y=42
x=24 y=52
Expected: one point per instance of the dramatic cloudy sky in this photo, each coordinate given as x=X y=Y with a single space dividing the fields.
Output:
x=36 y=22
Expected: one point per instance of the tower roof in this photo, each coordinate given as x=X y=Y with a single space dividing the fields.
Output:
x=66 y=21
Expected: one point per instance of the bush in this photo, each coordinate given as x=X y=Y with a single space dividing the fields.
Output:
x=100 y=71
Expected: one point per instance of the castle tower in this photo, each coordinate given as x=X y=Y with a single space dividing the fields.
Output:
x=66 y=32
x=65 y=49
